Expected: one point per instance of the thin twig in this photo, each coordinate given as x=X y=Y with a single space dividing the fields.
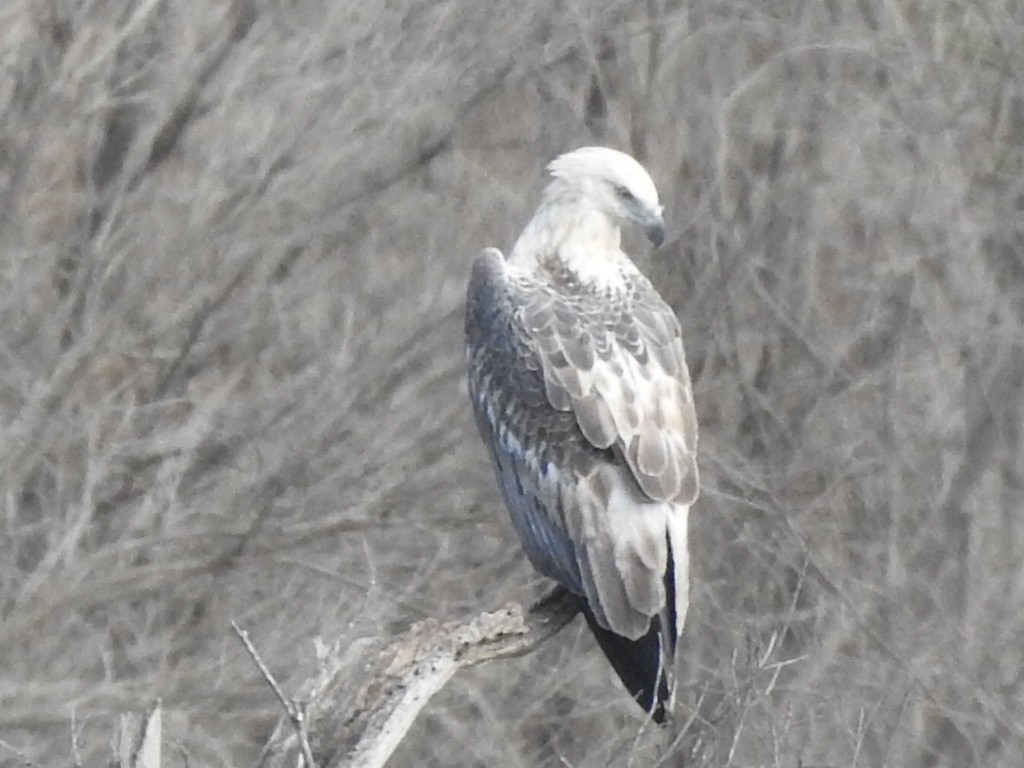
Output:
x=76 y=755
x=25 y=759
x=295 y=712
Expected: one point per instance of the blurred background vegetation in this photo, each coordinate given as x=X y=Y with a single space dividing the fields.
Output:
x=234 y=240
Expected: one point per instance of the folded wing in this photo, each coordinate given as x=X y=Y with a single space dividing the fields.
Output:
x=584 y=401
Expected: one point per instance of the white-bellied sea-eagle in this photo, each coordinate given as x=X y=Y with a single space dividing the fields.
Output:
x=582 y=395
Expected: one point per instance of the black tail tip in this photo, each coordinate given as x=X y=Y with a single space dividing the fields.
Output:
x=638 y=663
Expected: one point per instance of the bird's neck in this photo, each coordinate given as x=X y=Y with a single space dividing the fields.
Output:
x=568 y=232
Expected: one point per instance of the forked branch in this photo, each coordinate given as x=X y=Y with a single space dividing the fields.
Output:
x=358 y=724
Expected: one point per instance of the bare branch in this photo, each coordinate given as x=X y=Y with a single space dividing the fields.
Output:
x=363 y=730
x=140 y=739
x=296 y=714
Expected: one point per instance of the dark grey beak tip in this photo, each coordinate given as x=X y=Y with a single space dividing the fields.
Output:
x=655 y=233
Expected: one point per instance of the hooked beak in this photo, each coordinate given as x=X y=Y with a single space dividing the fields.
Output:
x=654 y=228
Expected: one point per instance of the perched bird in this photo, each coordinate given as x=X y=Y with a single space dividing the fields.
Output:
x=581 y=393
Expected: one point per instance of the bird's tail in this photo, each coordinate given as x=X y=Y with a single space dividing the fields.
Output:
x=644 y=665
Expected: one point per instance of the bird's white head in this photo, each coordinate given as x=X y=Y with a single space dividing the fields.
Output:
x=613 y=183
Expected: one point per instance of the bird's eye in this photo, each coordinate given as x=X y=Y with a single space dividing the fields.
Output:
x=624 y=194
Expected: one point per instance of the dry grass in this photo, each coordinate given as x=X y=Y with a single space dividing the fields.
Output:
x=234 y=238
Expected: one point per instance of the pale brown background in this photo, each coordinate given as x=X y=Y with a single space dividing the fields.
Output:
x=234 y=239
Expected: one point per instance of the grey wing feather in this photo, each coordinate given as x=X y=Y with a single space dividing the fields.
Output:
x=525 y=421
x=631 y=387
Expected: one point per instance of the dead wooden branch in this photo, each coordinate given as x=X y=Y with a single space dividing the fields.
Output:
x=140 y=738
x=359 y=723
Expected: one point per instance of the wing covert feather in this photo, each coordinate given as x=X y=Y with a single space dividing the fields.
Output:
x=617 y=360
